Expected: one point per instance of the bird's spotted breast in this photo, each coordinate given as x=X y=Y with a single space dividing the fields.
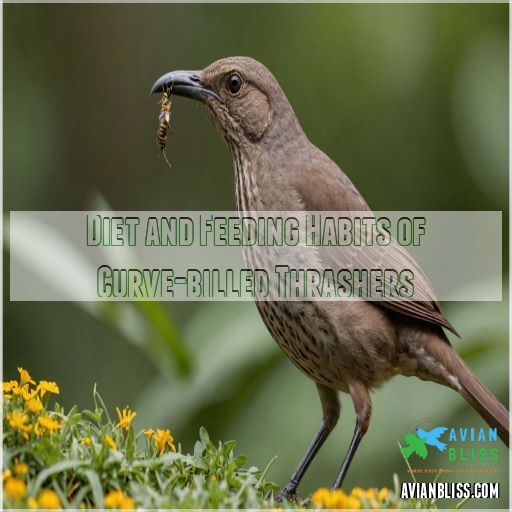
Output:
x=287 y=323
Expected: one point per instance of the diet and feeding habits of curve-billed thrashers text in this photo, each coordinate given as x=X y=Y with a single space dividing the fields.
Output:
x=349 y=346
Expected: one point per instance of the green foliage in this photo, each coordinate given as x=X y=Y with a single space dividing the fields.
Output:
x=87 y=458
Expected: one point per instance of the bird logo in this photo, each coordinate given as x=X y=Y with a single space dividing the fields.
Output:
x=432 y=437
x=417 y=443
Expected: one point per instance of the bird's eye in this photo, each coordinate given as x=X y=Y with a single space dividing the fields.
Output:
x=234 y=83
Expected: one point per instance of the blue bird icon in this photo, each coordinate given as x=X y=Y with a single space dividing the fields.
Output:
x=432 y=437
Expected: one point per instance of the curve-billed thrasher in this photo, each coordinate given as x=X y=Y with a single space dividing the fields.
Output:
x=343 y=346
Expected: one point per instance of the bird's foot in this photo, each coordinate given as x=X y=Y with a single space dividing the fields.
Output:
x=287 y=493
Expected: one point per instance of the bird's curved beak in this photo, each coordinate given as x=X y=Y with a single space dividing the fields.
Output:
x=184 y=83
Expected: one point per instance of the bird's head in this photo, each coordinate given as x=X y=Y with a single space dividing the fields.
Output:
x=242 y=95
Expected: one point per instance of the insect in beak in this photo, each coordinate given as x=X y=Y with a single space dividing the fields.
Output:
x=164 y=123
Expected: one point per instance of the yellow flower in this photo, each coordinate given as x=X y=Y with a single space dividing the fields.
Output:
x=35 y=405
x=46 y=386
x=20 y=468
x=325 y=498
x=25 y=377
x=383 y=494
x=38 y=430
x=370 y=493
x=149 y=433
x=20 y=390
x=117 y=499
x=7 y=387
x=49 y=423
x=32 y=502
x=110 y=442
x=321 y=497
x=338 y=499
x=125 y=417
x=113 y=498
x=15 y=488
x=351 y=502
x=17 y=420
x=28 y=394
x=86 y=440
x=10 y=387
x=6 y=474
x=127 y=504
x=48 y=499
x=163 y=439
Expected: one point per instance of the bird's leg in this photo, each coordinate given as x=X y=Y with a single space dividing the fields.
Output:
x=290 y=489
x=363 y=407
x=331 y=412
x=356 y=439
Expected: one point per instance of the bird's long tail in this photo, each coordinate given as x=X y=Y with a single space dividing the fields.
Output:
x=483 y=401
x=475 y=393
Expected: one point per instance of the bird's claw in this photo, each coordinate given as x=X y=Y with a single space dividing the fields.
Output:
x=287 y=493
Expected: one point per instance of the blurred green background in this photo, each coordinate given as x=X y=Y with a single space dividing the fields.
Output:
x=411 y=101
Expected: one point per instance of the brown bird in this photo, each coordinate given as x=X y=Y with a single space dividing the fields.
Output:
x=349 y=346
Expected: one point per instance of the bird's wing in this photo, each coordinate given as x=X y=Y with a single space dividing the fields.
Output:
x=417 y=444
x=411 y=439
x=422 y=451
x=437 y=432
x=322 y=186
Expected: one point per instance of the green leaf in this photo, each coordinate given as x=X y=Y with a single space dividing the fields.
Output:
x=229 y=446
x=79 y=496
x=62 y=495
x=241 y=459
x=102 y=407
x=159 y=319
x=198 y=449
x=52 y=470
x=203 y=435
x=97 y=490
